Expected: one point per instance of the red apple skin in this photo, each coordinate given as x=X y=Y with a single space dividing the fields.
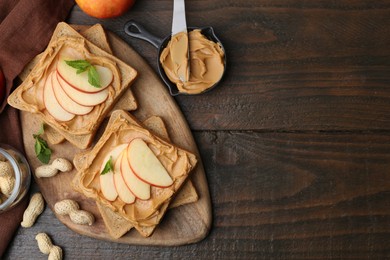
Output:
x=122 y=172
x=140 y=178
x=151 y=184
x=62 y=81
x=120 y=176
x=78 y=88
x=47 y=98
x=105 y=8
x=56 y=86
x=2 y=85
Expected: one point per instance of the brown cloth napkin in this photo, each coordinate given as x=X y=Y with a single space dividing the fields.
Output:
x=25 y=29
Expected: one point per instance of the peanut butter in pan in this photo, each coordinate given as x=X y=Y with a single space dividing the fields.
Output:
x=206 y=62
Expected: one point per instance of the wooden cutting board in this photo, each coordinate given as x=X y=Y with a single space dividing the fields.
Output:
x=183 y=225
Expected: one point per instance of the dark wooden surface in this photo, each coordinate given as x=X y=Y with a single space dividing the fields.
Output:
x=295 y=141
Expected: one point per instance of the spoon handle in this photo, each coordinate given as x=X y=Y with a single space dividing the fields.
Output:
x=179 y=23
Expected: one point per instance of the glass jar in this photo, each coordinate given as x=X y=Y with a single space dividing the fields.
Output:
x=21 y=173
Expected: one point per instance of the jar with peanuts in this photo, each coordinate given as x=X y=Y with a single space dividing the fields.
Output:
x=15 y=177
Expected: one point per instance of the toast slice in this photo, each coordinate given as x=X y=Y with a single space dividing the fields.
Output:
x=122 y=128
x=118 y=226
x=97 y=36
x=80 y=130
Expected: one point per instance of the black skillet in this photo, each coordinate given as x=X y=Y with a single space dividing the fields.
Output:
x=136 y=30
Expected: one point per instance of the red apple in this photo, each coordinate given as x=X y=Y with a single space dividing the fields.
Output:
x=2 y=85
x=104 y=8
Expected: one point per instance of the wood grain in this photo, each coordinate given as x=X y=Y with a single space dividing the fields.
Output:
x=297 y=65
x=295 y=141
x=275 y=196
x=187 y=224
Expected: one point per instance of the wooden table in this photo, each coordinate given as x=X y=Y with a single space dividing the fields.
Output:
x=295 y=141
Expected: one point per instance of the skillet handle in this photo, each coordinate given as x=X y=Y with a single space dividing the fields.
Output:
x=134 y=29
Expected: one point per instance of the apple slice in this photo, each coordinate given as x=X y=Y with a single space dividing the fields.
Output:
x=66 y=102
x=51 y=103
x=146 y=165
x=80 y=81
x=124 y=192
x=107 y=184
x=139 y=188
x=83 y=98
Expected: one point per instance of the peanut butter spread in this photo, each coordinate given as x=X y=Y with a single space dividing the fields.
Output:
x=120 y=130
x=32 y=92
x=179 y=56
x=206 y=62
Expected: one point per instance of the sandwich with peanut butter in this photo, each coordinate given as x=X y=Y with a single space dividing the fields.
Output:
x=96 y=35
x=118 y=226
x=133 y=172
x=73 y=86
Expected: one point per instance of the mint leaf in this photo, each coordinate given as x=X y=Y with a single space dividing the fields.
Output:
x=41 y=130
x=83 y=65
x=79 y=71
x=38 y=147
x=44 y=158
x=80 y=65
x=42 y=150
x=93 y=77
x=107 y=167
